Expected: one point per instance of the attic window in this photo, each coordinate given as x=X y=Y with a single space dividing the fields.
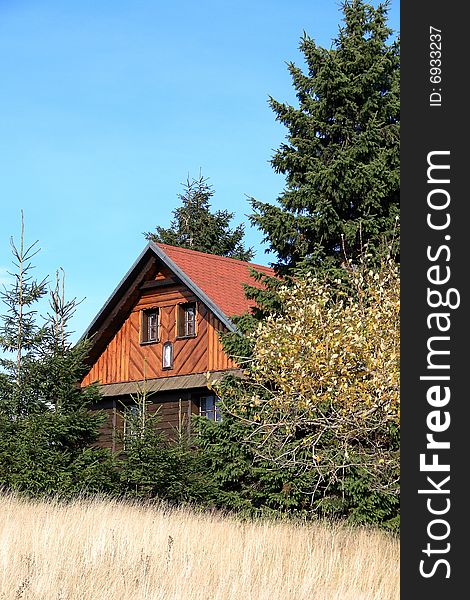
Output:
x=149 y=329
x=187 y=319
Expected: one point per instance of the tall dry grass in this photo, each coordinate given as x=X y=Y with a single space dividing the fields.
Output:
x=107 y=550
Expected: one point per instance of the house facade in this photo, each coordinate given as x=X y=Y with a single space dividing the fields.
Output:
x=158 y=335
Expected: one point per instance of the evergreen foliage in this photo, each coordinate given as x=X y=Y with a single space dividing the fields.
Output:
x=341 y=162
x=20 y=334
x=289 y=443
x=46 y=430
x=51 y=454
x=341 y=157
x=152 y=467
x=194 y=226
x=320 y=393
x=247 y=482
x=243 y=482
x=339 y=207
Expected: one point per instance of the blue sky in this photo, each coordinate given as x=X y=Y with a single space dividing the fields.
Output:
x=106 y=107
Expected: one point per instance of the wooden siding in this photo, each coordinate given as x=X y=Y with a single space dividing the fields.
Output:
x=125 y=359
x=174 y=418
x=217 y=359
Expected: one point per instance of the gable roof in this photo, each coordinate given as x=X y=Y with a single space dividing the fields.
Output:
x=219 y=277
x=215 y=280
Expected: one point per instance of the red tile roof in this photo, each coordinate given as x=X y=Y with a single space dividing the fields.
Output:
x=220 y=278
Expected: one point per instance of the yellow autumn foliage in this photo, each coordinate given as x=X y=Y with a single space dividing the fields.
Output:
x=334 y=346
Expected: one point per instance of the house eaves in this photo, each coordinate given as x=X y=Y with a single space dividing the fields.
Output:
x=131 y=275
x=165 y=384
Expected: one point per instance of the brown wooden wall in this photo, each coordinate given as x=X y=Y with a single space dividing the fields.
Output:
x=174 y=417
x=126 y=359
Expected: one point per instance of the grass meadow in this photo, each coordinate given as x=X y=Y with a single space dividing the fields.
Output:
x=110 y=550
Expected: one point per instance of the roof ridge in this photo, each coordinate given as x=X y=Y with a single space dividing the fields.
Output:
x=212 y=256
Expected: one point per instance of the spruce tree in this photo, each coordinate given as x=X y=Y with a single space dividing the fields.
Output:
x=46 y=430
x=341 y=202
x=20 y=333
x=341 y=157
x=194 y=226
x=61 y=364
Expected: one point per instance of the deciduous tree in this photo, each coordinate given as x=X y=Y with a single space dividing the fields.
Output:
x=322 y=385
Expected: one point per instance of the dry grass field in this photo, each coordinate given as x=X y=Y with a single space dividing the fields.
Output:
x=106 y=550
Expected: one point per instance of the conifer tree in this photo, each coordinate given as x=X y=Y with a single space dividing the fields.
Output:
x=61 y=363
x=339 y=208
x=46 y=429
x=321 y=390
x=194 y=226
x=20 y=334
x=341 y=157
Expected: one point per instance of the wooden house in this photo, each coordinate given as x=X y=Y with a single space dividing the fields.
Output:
x=158 y=333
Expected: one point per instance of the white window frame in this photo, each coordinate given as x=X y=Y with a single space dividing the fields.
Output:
x=213 y=412
x=146 y=327
x=183 y=323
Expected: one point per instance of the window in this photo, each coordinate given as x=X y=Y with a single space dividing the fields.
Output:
x=208 y=408
x=149 y=331
x=187 y=319
x=167 y=355
x=132 y=422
